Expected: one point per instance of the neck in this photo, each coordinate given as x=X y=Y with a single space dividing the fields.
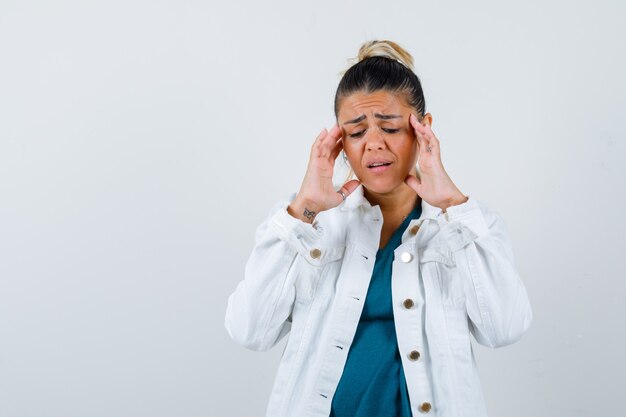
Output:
x=396 y=203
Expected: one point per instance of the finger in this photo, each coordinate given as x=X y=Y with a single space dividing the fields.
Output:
x=337 y=149
x=316 y=149
x=350 y=186
x=419 y=132
x=413 y=182
x=320 y=137
x=335 y=132
x=347 y=189
x=329 y=141
x=332 y=135
x=413 y=119
x=413 y=122
x=429 y=141
x=433 y=142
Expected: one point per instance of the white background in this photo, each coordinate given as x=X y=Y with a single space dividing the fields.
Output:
x=142 y=142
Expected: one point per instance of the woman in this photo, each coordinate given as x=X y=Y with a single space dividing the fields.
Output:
x=379 y=284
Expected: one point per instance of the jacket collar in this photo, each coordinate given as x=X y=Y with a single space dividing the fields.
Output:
x=357 y=199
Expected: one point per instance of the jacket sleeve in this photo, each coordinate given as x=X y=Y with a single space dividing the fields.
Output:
x=496 y=300
x=258 y=311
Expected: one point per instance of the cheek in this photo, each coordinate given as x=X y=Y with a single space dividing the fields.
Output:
x=407 y=145
x=351 y=150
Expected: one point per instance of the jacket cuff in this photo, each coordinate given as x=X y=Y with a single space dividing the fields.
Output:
x=463 y=223
x=300 y=235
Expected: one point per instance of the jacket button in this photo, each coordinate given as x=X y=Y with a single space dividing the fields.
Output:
x=413 y=230
x=408 y=303
x=406 y=257
x=425 y=407
x=414 y=355
x=315 y=253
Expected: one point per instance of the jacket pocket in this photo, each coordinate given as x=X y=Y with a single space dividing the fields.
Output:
x=437 y=254
x=438 y=263
x=312 y=268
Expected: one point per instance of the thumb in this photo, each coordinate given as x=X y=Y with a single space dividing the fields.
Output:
x=350 y=186
x=347 y=189
x=413 y=182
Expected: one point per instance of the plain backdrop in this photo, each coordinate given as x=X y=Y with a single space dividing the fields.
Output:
x=142 y=142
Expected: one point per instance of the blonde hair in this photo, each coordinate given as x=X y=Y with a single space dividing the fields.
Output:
x=383 y=48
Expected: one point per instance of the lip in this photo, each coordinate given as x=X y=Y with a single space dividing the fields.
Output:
x=369 y=162
x=378 y=169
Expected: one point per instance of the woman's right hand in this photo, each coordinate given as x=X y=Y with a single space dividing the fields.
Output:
x=317 y=192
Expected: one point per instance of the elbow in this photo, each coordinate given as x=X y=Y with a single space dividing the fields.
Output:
x=242 y=332
x=245 y=339
x=512 y=332
x=248 y=337
x=515 y=321
x=520 y=321
x=519 y=327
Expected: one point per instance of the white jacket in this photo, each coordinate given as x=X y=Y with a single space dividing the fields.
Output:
x=453 y=274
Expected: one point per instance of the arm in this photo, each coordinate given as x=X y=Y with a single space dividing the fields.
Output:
x=258 y=310
x=496 y=299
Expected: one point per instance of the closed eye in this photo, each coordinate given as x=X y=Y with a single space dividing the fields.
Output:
x=359 y=134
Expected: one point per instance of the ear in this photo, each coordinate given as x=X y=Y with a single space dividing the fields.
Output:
x=427 y=119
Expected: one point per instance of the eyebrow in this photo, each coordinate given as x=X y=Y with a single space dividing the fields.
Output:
x=376 y=115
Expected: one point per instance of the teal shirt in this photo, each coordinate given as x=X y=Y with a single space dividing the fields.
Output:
x=373 y=383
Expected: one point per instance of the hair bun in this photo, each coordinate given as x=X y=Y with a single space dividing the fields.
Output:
x=387 y=49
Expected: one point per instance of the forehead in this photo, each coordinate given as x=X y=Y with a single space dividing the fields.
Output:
x=381 y=101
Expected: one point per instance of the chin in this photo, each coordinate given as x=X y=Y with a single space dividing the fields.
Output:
x=382 y=186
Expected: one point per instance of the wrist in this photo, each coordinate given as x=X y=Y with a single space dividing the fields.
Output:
x=457 y=199
x=304 y=210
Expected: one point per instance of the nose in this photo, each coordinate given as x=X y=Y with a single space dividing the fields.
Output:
x=375 y=140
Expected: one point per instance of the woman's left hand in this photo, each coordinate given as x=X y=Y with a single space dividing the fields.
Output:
x=434 y=185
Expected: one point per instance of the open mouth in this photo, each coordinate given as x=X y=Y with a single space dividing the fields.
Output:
x=379 y=164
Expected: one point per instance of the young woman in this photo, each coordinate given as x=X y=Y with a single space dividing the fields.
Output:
x=379 y=284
